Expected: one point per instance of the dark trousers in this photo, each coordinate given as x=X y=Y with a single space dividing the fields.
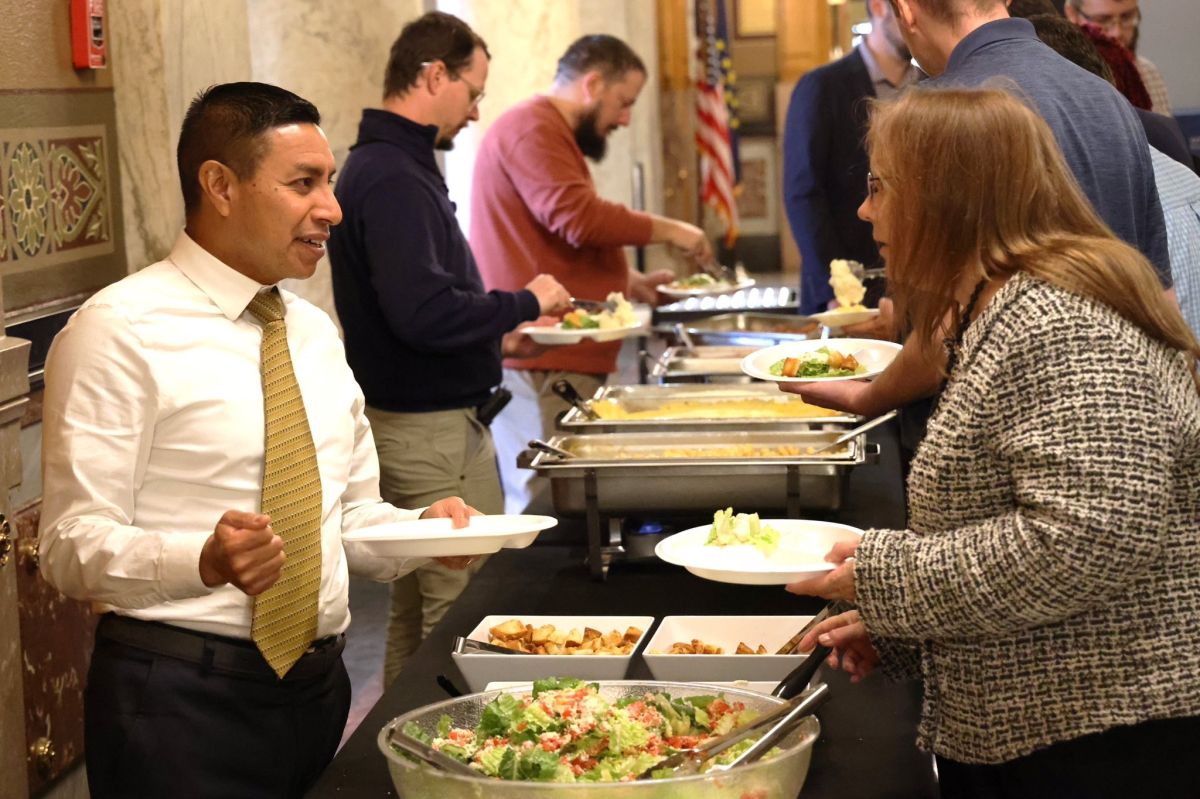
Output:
x=1153 y=759
x=159 y=725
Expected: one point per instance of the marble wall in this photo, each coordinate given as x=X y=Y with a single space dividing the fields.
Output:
x=334 y=59
x=163 y=53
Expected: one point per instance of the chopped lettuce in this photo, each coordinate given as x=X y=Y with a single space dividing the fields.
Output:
x=555 y=684
x=499 y=716
x=745 y=528
x=565 y=731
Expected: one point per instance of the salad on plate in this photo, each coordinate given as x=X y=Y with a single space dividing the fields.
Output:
x=564 y=731
x=744 y=528
x=622 y=315
x=823 y=362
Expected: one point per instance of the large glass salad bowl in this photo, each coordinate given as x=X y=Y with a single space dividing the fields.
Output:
x=777 y=777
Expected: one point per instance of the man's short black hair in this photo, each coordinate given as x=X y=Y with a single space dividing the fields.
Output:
x=1029 y=8
x=225 y=123
x=607 y=54
x=1065 y=38
x=435 y=36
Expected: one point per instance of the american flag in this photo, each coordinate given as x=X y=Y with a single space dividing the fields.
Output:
x=716 y=138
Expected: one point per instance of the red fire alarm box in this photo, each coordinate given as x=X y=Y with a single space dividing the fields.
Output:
x=88 y=34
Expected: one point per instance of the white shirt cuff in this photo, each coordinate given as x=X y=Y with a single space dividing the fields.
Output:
x=179 y=565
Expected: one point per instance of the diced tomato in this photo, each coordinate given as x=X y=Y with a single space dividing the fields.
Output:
x=683 y=741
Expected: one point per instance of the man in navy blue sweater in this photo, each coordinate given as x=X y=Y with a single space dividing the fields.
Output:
x=423 y=336
x=825 y=159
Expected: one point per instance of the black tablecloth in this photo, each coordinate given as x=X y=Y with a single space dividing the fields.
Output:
x=866 y=747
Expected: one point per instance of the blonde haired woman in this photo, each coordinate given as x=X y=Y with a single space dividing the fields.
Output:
x=1048 y=591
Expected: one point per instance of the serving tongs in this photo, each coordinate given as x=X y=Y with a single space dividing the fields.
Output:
x=594 y=306
x=794 y=642
x=734 y=276
x=550 y=449
x=685 y=338
x=464 y=645
x=849 y=434
x=563 y=388
x=779 y=723
x=427 y=754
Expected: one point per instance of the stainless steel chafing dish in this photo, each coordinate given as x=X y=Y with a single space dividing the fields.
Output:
x=701 y=365
x=751 y=329
x=623 y=473
x=619 y=474
x=647 y=401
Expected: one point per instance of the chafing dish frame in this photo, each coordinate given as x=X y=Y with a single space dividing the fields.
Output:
x=601 y=488
x=740 y=329
x=665 y=371
x=575 y=422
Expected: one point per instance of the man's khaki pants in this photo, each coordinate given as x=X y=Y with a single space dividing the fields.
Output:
x=532 y=413
x=424 y=457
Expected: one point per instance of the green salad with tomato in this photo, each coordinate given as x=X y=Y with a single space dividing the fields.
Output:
x=565 y=731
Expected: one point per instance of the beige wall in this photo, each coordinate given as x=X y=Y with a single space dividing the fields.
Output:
x=164 y=52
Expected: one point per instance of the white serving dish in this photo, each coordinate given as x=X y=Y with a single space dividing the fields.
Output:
x=803 y=545
x=839 y=319
x=724 y=631
x=679 y=292
x=559 y=335
x=481 y=668
x=758 y=686
x=437 y=538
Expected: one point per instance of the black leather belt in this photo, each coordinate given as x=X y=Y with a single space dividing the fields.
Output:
x=216 y=652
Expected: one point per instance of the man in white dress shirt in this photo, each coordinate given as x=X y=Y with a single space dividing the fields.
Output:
x=154 y=472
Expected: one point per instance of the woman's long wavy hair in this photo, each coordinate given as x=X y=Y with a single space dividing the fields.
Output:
x=974 y=182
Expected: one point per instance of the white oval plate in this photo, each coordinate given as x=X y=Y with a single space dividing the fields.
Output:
x=837 y=318
x=435 y=538
x=871 y=353
x=557 y=335
x=803 y=545
x=708 y=291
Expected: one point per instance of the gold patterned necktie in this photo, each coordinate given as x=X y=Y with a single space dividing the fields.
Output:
x=285 y=615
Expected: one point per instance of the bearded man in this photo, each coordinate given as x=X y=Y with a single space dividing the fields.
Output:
x=535 y=210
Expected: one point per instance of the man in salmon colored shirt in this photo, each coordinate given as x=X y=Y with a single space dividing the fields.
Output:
x=534 y=209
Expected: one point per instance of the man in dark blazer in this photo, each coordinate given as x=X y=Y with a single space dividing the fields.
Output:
x=824 y=160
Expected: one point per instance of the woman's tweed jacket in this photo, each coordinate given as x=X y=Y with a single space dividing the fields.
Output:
x=1051 y=580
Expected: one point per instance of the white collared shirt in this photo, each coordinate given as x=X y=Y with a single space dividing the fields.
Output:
x=153 y=428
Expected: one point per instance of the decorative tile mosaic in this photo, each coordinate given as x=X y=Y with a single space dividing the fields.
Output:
x=54 y=196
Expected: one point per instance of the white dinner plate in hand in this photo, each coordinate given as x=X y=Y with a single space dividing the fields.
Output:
x=560 y=335
x=436 y=538
x=706 y=291
x=836 y=318
x=871 y=353
x=803 y=545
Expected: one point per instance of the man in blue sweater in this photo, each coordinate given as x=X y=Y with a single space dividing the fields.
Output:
x=423 y=336
x=976 y=43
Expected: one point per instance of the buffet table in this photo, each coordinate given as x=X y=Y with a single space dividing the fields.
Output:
x=866 y=748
